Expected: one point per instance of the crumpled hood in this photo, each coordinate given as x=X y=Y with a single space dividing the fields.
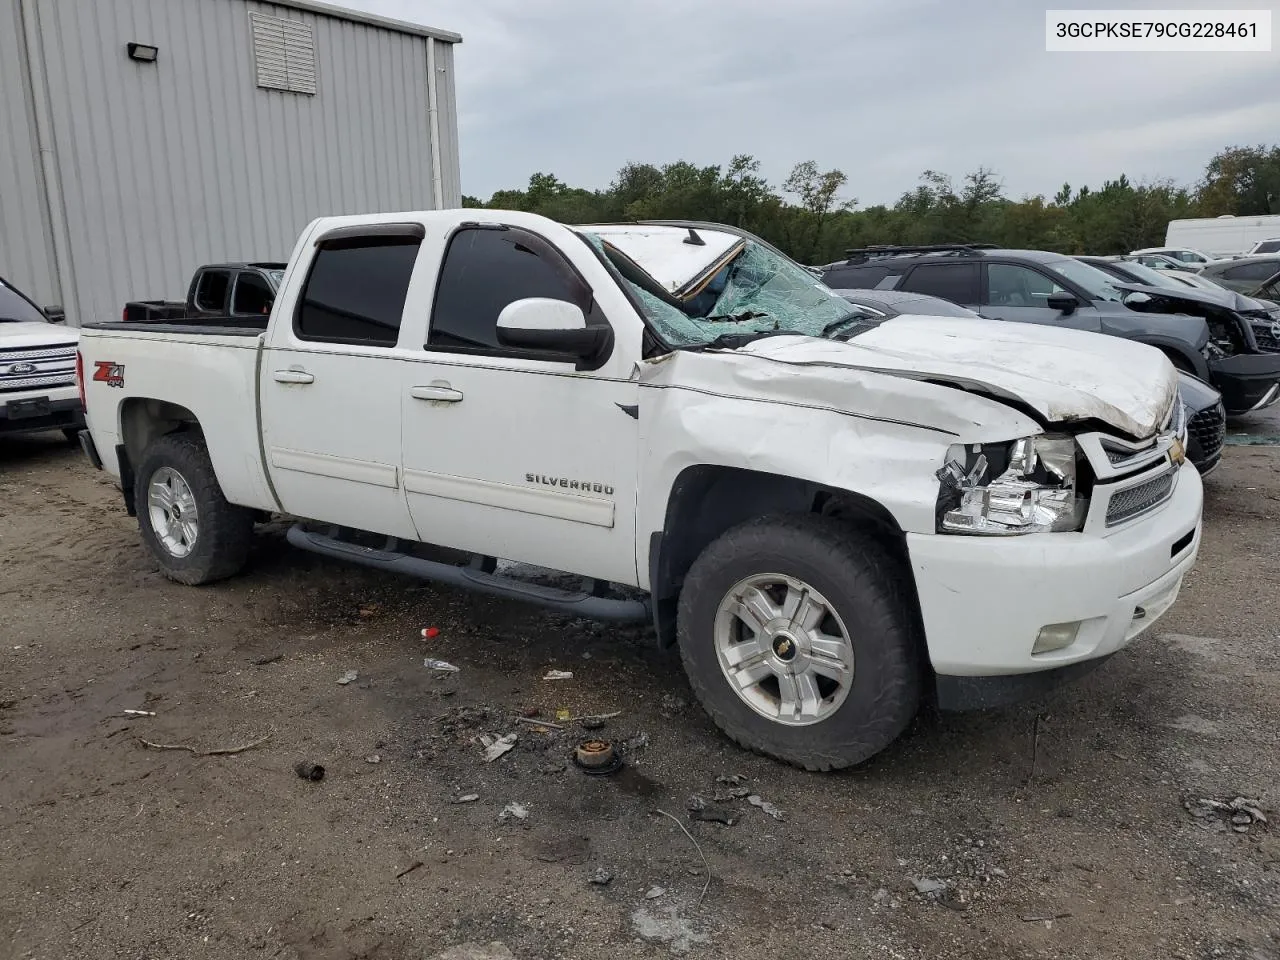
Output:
x=1063 y=375
x=35 y=334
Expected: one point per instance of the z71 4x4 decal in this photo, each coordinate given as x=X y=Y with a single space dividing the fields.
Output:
x=112 y=374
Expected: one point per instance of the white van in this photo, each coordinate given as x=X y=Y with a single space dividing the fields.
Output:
x=1222 y=237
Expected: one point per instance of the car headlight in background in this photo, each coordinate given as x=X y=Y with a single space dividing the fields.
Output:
x=1034 y=490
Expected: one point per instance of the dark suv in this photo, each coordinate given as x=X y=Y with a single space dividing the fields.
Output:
x=1206 y=340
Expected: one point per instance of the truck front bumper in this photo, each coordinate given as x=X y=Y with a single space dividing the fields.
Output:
x=31 y=412
x=1248 y=381
x=985 y=600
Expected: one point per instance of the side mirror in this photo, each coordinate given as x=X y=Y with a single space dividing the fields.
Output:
x=1063 y=302
x=539 y=323
x=55 y=314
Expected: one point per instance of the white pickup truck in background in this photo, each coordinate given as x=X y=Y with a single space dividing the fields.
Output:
x=826 y=524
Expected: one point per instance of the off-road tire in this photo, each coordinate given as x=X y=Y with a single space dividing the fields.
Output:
x=864 y=583
x=225 y=530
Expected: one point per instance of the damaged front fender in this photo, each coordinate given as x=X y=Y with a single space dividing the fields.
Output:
x=872 y=434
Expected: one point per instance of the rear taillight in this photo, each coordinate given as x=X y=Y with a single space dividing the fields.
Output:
x=84 y=404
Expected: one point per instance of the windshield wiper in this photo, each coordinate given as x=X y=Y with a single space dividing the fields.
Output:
x=735 y=317
x=835 y=325
x=732 y=341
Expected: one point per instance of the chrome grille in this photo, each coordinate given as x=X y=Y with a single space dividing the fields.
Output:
x=1137 y=500
x=1266 y=340
x=1209 y=429
x=39 y=367
x=8 y=384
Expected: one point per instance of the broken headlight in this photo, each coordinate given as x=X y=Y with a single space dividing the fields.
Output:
x=1028 y=486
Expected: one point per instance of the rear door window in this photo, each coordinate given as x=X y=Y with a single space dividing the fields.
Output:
x=1252 y=271
x=211 y=291
x=857 y=277
x=355 y=292
x=957 y=282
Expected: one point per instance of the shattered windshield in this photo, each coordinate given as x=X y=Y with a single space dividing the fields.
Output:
x=757 y=291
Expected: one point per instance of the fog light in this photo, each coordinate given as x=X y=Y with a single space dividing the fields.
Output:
x=1056 y=636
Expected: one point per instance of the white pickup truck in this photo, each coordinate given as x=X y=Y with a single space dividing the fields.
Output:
x=830 y=523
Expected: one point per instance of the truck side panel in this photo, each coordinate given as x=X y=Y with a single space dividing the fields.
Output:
x=138 y=386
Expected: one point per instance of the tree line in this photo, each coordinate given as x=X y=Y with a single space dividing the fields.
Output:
x=811 y=215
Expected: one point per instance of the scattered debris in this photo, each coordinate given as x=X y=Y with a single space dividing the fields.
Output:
x=220 y=752
x=596 y=757
x=263 y=661
x=440 y=666
x=758 y=801
x=882 y=896
x=493 y=749
x=534 y=721
x=705 y=864
x=697 y=803
x=1038 y=917
x=596 y=720
x=600 y=877
x=430 y=633
x=672 y=704
x=559 y=675
x=140 y=713
x=349 y=677
x=409 y=869
x=468 y=798
x=530 y=712
x=564 y=715
x=1240 y=813
x=373 y=758
x=308 y=770
x=667 y=926
x=710 y=813
x=928 y=887
x=514 y=811
x=653 y=893
x=732 y=780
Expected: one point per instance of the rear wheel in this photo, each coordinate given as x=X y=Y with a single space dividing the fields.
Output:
x=188 y=525
x=799 y=641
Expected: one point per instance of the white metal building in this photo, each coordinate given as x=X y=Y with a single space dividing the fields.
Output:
x=141 y=138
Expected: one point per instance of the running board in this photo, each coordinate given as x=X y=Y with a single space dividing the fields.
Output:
x=575 y=603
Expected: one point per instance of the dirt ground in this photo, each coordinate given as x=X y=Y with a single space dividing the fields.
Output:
x=1057 y=829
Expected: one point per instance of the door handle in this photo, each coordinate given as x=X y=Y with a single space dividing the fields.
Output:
x=437 y=393
x=293 y=376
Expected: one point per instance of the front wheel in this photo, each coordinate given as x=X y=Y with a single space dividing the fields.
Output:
x=799 y=641
x=188 y=525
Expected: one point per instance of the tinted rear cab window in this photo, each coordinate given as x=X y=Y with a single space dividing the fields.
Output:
x=355 y=292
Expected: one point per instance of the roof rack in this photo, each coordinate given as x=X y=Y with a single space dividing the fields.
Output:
x=889 y=250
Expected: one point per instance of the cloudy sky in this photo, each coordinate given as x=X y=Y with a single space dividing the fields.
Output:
x=878 y=89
